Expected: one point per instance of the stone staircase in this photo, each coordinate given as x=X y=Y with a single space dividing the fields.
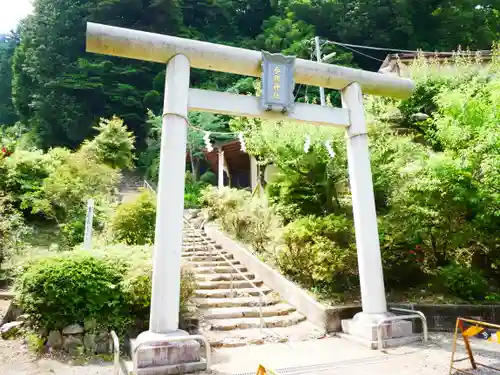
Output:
x=128 y=190
x=228 y=301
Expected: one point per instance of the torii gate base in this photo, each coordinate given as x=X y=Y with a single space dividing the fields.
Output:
x=157 y=351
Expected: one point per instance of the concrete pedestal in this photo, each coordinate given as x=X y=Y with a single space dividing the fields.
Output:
x=363 y=329
x=159 y=355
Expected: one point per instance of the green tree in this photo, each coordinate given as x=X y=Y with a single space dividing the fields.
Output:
x=8 y=43
x=114 y=145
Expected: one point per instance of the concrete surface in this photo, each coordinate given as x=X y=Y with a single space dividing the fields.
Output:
x=333 y=356
x=289 y=292
x=338 y=356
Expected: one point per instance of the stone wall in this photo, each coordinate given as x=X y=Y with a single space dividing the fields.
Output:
x=442 y=318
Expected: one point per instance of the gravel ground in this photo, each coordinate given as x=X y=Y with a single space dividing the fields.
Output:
x=331 y=356
x=15 y=359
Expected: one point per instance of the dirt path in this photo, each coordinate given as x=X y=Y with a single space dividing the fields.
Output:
x=16 y=359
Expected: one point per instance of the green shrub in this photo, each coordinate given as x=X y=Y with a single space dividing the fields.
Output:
x=112 y=286
x=73 y=179
x=137 y=288
x=319 y=251
x=467 y=283
x=192 y=191
x=61 y=290
x=134 y=221
x=208 y=178
x=23 y=174
x=250 y=219
x=12 y=231
x=405 y=261
x=113 y=146
x=219 y=201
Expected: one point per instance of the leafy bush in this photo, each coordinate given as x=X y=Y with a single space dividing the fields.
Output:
x=464 y=282
x=250 y=219
x=73 y=179
x=137 y=288
x=112 y=286
x=23 y=174
x=218 y=202
x=67 y=289
x=113 y=146
x=319 y=252
x=134 y=221
x=192 y=191
x=208 y=178
x=405 y=261
x=12 y=231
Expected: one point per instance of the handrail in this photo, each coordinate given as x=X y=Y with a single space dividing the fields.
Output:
x=147 y=185
x=423 y=318
x=212 y=247
x=414 y=315
x=208 y=353
x=116 y=352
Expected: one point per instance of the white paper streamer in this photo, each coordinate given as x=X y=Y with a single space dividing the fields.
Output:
x=242 y=142
x=208 y=144
x=307 y=143
x=329 y=149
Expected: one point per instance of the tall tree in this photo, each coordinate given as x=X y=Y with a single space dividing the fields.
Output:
x=8 y=43
x=60 y=90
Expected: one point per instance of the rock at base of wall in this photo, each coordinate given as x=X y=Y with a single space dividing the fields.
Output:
x=54 y=340
x=10 y=329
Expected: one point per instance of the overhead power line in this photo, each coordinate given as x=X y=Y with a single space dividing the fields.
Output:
x=374 y=48
x=361 y=53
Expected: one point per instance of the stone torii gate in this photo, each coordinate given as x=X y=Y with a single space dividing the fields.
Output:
x=182 y=54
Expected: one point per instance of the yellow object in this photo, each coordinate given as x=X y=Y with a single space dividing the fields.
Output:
x=265 y=371
x=476 y=328
x=472 y=331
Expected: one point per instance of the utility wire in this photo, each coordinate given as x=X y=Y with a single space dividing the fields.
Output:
x=397 y=50
x=361 y=53
x=374 y=48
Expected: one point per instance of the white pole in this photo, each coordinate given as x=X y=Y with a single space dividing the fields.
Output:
x=220 y=171
x=170 y=199
x=318 y=57
x=363 y=205
x=89 y=219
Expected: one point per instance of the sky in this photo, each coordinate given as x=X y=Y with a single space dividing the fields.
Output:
x=11 y=12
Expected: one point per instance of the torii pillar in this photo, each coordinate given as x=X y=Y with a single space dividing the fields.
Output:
x=182 y=54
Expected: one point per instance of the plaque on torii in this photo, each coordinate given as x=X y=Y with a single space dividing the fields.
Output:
x=277 y=82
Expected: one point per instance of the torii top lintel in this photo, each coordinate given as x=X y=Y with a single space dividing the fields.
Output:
x=141 y=45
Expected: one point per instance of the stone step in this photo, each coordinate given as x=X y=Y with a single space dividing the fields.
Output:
x=245 y=323
x=231 y=293
x=212 y=254
x=204 y=303
x=280 y=309
x=235 y=276
x=202 y=247
x=217 y=263
x=221 y=269
x=208 y=258
x=197 y=239
x=256 y=336
x=190 y=235
x=236 y=284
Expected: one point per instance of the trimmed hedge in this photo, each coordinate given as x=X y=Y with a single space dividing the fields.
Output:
x=111 y=286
